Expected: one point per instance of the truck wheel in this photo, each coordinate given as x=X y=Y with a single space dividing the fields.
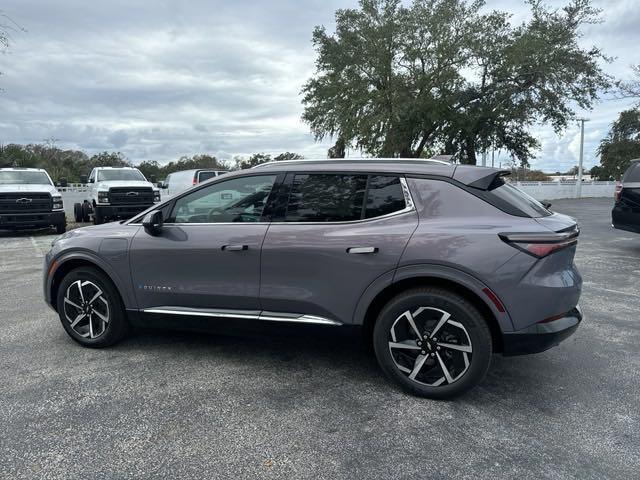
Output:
x=86 y=210
x=77 y=212
x=97 y=217
x=61 y=228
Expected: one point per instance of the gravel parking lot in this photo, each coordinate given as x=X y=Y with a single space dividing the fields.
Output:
x=314 y=404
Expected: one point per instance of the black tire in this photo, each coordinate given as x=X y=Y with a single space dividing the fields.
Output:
x=109 y=333
x=86 y=210
x=434 y=353
x=97 y=217
x=77 y=212
x=61 y=228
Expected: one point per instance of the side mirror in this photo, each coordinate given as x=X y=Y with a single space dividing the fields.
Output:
x=152 y=222
x=92 y=180
x=83 y=179
x=162 y=185
x=63 y=182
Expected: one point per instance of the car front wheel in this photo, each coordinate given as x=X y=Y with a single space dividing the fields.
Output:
x=90 y=308
x=432 y=342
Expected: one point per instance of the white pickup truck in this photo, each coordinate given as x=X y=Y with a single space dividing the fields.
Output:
x=116 y=193
x=28 y=199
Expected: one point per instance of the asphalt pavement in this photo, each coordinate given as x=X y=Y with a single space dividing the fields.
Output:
x=314 y=404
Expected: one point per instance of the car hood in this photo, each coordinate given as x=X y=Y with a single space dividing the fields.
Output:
x=29 y=188
x=123 y=183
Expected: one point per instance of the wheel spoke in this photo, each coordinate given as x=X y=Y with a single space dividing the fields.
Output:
x=412 y=322
x=77 y=319
x=66 y=300
x=439 y=382
x=453 y=346
x=444 y=319
x=444 y=369
x=102 y=317
x=79 y=286
x=95 y=297
x=417 y=366
x=91 y=335
x=407 y=344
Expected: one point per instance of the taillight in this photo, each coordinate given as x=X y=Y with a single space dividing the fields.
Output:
x=617 y=193
x=541 y=244
x=195 y=181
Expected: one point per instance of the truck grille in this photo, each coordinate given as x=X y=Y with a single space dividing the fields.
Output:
x=25 y=203
x=130 y=196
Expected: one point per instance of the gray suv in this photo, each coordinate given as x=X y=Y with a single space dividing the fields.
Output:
x=441 y=265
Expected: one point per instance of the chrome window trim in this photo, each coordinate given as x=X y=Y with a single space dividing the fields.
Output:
x=408 y=200
x=243 y=314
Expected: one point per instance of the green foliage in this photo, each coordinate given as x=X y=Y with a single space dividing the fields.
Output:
x=152 y=169
x=620 y=146
x=394 y=80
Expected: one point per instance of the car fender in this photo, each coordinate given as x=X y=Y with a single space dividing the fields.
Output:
x=123 y=287
x=436 y=271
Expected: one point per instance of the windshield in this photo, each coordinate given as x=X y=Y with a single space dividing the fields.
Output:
x=109 y=175
x=516 y=197
x=23 y=177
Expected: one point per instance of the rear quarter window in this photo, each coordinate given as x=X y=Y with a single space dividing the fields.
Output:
x=509 y=194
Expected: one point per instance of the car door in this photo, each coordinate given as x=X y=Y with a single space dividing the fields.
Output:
x=334 y=234
x=207 y=254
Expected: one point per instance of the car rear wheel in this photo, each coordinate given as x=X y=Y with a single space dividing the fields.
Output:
x=432 y=342
x=90 y=308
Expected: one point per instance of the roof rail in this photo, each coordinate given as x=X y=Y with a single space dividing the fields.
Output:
x=352 y=160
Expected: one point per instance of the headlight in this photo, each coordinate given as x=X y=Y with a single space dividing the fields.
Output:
x=156 y=196
x=103 y=197
x=57 y=203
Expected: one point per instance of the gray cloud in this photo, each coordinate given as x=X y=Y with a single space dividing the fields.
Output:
x=158 y=80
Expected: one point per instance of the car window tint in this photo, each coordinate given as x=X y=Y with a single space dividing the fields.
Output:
x=204 y=176
x=326 y=198
x=236 y=200
x=384 y=196
x=632 y=174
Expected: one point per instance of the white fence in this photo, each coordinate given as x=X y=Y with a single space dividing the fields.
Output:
x=557 y=190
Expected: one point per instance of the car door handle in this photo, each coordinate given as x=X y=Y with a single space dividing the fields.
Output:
x=362 y=250
x=235 y=248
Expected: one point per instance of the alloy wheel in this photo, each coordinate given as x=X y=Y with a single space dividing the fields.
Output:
x=430 y=347
x=86 y=309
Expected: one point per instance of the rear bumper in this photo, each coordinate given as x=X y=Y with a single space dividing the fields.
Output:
x=121 y=211
x=541 y=336
x=26 y=220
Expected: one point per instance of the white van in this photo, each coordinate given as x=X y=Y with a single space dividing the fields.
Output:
x=177 y=182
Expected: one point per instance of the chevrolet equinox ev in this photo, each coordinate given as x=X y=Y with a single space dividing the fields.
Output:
x=441 y=265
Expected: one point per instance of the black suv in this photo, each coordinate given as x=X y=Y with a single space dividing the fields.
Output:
x=626 y=212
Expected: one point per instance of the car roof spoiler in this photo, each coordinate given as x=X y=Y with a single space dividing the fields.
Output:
x=478 y=177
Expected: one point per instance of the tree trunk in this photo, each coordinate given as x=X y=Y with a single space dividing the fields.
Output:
x=470 y=151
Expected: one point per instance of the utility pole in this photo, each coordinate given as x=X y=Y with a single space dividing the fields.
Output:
x=579 y=182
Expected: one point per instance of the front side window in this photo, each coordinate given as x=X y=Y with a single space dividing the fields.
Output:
x=236 y=200
x=320 y=197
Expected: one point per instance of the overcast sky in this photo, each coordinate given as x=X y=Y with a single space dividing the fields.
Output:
x=160 y=79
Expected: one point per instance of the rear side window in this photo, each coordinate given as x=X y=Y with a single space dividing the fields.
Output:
x=632 y=174
x=343 y=197
x=507 y=193
x=204 y=176
x=384 y=196
x=326 y=198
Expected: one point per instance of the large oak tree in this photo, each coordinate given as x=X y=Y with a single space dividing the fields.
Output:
x=445 y=76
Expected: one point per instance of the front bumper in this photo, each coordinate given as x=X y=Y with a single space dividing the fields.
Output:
x=541 y=336
x=122 y=211
x=27 y=220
